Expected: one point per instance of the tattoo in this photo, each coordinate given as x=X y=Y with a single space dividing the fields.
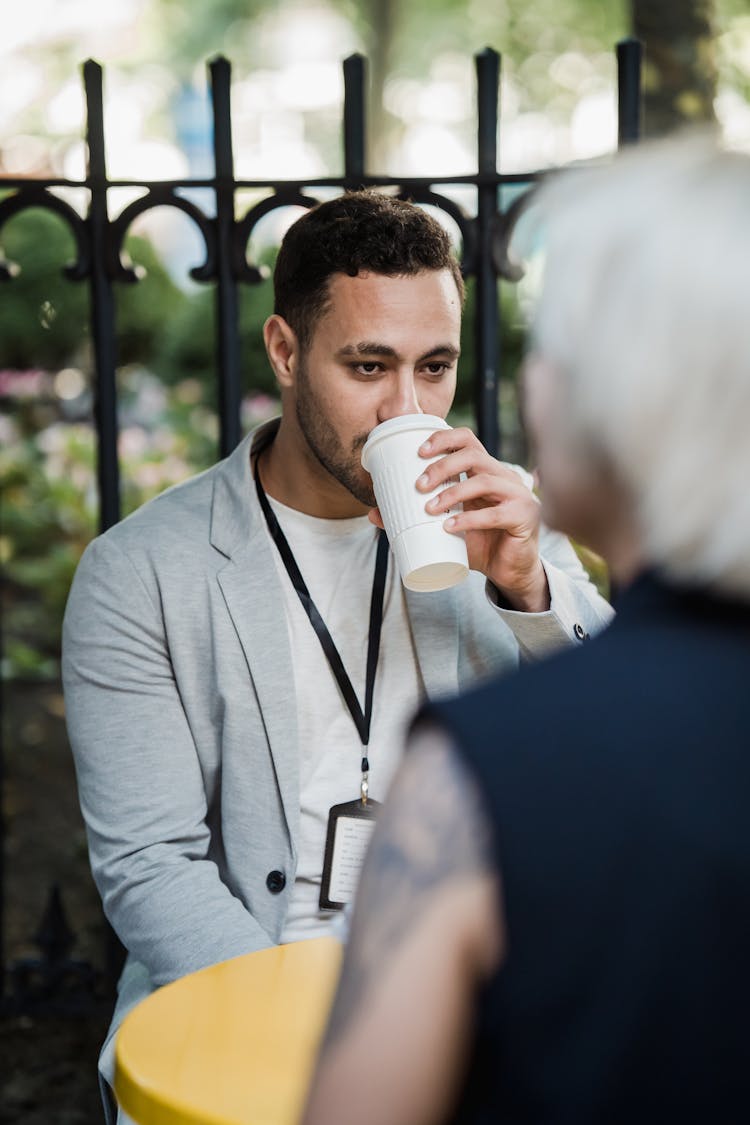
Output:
x=433 y=829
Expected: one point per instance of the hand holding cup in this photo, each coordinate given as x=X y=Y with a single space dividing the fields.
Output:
x=489 y=505
x=497 y=513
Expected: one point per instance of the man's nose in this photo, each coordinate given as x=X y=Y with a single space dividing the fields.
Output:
x=401 y=397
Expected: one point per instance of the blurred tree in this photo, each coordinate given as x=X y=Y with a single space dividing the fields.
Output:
x=171 y=41
x=185 y=35
x=732 y=29
x=432 y=37
x=380 y=19
x=680 y=71
x=406 y=41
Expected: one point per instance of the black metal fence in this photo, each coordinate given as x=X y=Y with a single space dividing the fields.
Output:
x=99 y=263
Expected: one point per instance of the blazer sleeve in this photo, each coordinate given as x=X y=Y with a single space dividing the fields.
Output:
x=140 y=780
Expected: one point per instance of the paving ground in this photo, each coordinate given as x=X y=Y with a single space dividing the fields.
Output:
x=47 y=1063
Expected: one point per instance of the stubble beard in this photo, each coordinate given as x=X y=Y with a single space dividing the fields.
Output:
x=344 y=466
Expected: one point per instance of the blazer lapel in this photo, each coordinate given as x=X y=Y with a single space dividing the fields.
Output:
x=434 y=622
x=255 y=604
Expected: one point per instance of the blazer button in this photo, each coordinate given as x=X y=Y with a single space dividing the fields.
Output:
x=580 y=632
x=275 y=881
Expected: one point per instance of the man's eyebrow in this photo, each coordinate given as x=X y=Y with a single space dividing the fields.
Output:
x=441 y=350
x=369 y=347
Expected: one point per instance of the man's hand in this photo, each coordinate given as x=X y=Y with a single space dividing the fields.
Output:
x=500 y=517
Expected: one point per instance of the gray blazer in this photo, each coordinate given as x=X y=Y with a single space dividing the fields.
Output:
x=181 y=714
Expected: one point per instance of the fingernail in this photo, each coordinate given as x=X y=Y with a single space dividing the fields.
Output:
x=423 y=480
x=434 y=502
x=425 y=447
x=449 y=523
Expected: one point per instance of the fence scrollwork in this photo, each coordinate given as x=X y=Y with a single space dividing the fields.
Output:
x=158 y=196
x=243 y=230
x=38 y=196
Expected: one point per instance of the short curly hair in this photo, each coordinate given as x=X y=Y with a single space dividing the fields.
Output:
x=361 y=231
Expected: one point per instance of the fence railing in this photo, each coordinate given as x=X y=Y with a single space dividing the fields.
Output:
x=99 y=262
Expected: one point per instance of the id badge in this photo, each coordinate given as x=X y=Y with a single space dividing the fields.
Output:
x=350 y=827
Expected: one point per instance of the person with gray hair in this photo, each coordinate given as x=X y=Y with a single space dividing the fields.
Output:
x=554 y=918
x=646 y=355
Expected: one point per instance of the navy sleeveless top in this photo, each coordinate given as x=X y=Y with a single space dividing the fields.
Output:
x=617 y=779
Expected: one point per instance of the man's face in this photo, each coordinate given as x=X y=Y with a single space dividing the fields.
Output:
x=384 y=346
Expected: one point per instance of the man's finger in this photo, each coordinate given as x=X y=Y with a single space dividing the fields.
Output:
x=490 y=488
x=512 y=518
x=448 y=441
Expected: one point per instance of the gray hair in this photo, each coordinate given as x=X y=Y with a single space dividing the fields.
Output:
x=645 y=314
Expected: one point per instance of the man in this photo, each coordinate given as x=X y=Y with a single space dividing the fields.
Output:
x=211 y=734
x=554 y=918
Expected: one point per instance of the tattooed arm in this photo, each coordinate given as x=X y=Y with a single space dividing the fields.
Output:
x=426 y=932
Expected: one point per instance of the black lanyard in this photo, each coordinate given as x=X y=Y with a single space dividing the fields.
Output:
x=362 y=719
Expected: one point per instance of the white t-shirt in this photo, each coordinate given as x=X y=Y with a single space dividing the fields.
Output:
x=337 y=561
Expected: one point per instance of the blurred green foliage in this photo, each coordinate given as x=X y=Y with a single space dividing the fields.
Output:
x=48 y=517
x=187 y=346
x=44 y=318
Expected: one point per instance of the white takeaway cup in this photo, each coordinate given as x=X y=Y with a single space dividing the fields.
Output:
x=428 y=556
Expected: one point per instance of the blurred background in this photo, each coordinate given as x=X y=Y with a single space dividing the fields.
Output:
x=558 y=104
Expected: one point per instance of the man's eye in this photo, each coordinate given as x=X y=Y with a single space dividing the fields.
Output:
x=367 y=368
x=437 y=368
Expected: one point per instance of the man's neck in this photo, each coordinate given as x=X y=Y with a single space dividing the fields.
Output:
x=292 y=474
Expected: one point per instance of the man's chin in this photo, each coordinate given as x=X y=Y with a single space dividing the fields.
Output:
x=363 y=495
x=361 y=489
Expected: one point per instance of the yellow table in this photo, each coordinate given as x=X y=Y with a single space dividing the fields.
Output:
x=233 y=1044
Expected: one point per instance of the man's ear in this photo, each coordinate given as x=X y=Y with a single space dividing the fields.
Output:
x=282 y=348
